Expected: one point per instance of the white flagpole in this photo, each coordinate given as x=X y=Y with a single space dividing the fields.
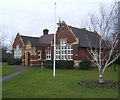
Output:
x=54 y=44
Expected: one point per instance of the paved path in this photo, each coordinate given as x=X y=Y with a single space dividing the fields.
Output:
x=21 y=70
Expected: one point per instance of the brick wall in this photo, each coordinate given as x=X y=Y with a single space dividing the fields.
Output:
x=75 y=52
x=17 y=41
x=64 y=33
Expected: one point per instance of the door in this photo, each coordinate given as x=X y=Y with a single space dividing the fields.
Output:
x=28 y=59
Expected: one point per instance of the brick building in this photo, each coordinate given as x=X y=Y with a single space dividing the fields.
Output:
x=71 y=44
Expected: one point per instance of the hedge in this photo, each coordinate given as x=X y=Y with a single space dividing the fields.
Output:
x=48 y=64
x=4 y=59
x=85 y=65
x=12 y=61
x=117 y=61
x=60 y=64
x=18 y=61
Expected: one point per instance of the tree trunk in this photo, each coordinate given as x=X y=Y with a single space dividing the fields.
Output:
x=100 y=74
x=114 y=67
x=101 y=79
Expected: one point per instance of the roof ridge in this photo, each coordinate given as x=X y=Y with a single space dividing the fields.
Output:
x=77 y=27
x=84 y=29
x=46 y=35
x=29 y=36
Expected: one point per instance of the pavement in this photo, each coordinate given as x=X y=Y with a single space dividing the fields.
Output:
x=21 y=70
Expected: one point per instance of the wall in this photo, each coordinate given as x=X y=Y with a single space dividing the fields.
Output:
x=17 y=41
x=69 y=37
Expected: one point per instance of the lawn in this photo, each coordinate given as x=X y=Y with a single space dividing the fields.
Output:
x=8 y=70
x=38 y=83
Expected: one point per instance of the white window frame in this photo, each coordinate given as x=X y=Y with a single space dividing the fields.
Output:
x=20 y=52
x=63 y=49
x=17 y=52
x=48 y=55
x=57 y=52
x=14 y=53
x=39 y=55
x=70 y=49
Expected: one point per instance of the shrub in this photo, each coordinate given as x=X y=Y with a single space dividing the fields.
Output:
x=18 y=61
x=117 y=61
x=85 y=64
x=64 y=64
x=48 y=64
x=4 y=59
x=11 y=61
x=60 y=64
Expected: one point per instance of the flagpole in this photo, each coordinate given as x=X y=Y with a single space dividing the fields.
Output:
x=54 y=44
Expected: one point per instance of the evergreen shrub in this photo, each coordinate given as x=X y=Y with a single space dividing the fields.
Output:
x=85 y=64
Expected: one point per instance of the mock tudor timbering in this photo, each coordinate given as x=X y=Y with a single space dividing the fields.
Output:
x=71 y=44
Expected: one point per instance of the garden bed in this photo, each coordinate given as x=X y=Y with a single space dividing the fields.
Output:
x=96 y=84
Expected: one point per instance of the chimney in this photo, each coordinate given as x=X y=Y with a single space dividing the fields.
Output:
x=45 y=31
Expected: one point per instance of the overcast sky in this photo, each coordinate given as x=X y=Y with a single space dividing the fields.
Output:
x=30 y=17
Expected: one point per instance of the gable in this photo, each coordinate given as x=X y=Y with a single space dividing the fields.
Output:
x=18 y=41
x=65 y=33
x=28 y=45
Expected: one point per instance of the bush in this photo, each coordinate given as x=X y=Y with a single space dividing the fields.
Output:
x=85 y=64
x=48 y=64
x=60 y=64
x=11 y=61
x=117 y=61
x=18 y=61
x=4 y=59
x=64 y=64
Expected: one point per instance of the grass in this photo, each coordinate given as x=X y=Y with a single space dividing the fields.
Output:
x=38 y=83
x=4 y=64
x=8 y=70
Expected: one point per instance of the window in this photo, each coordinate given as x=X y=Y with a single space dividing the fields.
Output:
x=20 y=53
x=57 y=52
x=63 y=29
x=48 y=55
x=70 y=52
x=14 y=53
x=17 y=52
x=39 y=55
x=95 y=55
x=63 y=49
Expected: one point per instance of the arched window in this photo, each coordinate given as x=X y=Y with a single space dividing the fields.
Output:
x=17 y=52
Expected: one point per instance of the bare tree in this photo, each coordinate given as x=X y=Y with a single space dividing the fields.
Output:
x=10 y=43
x=2 y=38
x=105 y=24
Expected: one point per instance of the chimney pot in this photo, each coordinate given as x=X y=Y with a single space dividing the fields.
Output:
x=45 y=31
